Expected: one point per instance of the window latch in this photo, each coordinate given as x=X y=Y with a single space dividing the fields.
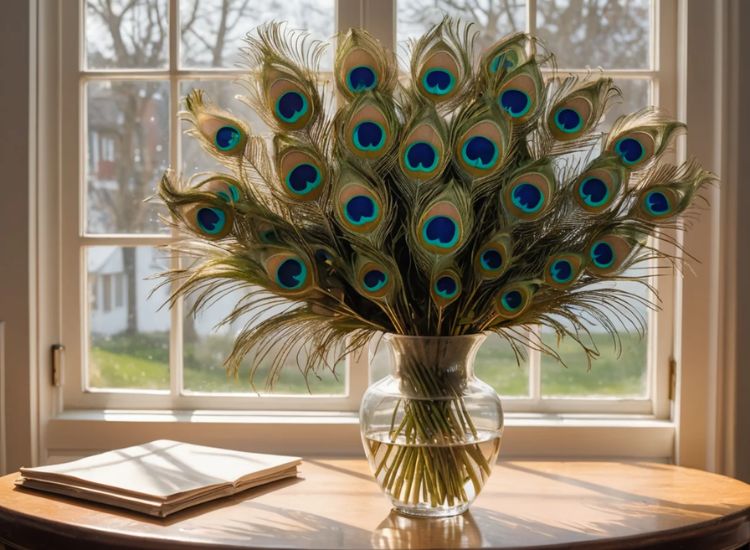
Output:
x=58 y=364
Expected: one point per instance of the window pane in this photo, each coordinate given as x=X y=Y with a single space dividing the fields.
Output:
x=497 y=365
x=635 y=96
x=212 y=31
x=127 y=149
x=128 y=333
x=127 y=34
x=613 y=34
x=206 y=346
x=624 y=375
x=492 y=18
x=222 y=92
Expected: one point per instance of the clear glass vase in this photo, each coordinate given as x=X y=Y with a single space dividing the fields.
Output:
x=431 y=429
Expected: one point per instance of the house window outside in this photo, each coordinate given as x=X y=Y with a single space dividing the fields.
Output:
x=139 y=59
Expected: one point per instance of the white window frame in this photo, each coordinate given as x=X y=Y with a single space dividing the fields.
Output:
x=89 y=426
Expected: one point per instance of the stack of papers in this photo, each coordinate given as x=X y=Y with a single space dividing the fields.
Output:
x=160 y=477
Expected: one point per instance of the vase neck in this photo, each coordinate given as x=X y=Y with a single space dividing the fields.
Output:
x=433 y=365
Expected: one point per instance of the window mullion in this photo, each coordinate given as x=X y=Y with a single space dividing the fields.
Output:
x=175 y=333
x=531 y=16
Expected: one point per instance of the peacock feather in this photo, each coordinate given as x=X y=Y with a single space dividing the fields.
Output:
x=473 y=196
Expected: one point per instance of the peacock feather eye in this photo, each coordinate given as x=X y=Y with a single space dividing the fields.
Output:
x=515 y=102
x=493 y=258
x=421 y=156
x=514 y=299
x=367 y=132
x=361 y=79
x=440 y=229
x=374 y=280
x=594 y=192
x=602 y=254
x=291 y=106
x=438 y=78
x=568 y=120
x=289 y=271
x=209 y=221
x=369 y=136
x=631 y=150
x=607 y=255
x=562 y=270
x=438 y=82
x=301 y=174
x=227 y=136
x=596 y=189
x=481 y=149
x=658 y=202
x=634 y=148
x=519 y=96
x=361 y=65
x=422 y=153
x=528 y=196
x=358 y=208
x=445 y=287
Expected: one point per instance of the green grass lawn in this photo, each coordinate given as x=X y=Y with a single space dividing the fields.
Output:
x=142 y=361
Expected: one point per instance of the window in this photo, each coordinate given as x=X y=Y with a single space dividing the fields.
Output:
x=125 y=67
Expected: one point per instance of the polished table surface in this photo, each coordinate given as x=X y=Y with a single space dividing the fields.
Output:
x=336 y=504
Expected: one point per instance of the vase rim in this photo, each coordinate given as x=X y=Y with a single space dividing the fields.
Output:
x=395 y=336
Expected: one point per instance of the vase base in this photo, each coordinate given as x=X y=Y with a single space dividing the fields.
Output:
x=422 y=511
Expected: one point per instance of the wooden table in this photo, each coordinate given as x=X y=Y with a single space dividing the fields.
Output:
x=337 y=505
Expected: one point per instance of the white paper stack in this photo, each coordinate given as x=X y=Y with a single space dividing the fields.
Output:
x=160 y=477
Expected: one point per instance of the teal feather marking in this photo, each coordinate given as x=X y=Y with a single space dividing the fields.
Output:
x=361 y=210
x=303 y=179
x=421 y=157
x=439 y=81
x=568 y=120
x=602 y=254
x=369 y=136
x=480 y=152
x=361 y=78
x=441 y=231
x=291 y=106
x=211 y=220
x=291 y=274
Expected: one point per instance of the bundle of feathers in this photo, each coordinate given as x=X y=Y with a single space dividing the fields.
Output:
x=468 y=196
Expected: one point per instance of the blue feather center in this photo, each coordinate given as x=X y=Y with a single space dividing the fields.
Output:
x=479 y=152
x=291 y=274
x=303 y=178
x=561 y=271
x=446 y=287
x=630 y=150
x=593 y=191
x=361 y=78
x=211 y=220
x=568 y=120
x=375 y=280
x=369 y=136
x=491 y=260
x=657 y=203
x=361 y=209
x=528 y=198
x=421 y=157
x=438 y=81
x=516 y=102
x=291 y=106
x=227 y=138
x=440 y=231
x=512 y=300
x=602 y=254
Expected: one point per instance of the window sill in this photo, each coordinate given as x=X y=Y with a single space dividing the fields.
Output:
x=79 y=432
